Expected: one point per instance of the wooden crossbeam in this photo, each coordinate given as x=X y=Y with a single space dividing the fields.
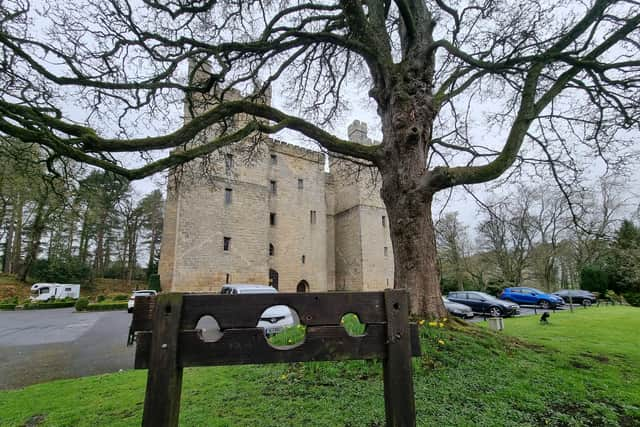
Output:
x=167 y=341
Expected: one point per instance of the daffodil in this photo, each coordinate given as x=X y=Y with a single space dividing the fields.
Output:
x=441 y=325
x=441 y=342
x=421 y=322
x=433 y=323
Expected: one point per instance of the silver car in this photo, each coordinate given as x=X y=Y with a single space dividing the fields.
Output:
x=457 y=309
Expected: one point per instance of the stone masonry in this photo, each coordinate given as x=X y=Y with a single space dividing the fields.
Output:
x=271 y=214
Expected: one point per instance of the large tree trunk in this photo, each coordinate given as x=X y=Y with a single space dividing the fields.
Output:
x=407 y=113
x=414 y=246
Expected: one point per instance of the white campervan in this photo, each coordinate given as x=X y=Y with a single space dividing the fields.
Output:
x=50 y=291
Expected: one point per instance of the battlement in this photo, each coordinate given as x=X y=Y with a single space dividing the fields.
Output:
x=357 y=132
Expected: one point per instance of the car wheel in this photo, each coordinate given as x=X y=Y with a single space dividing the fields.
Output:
x=586 y=302
x=495 y=311
x=544 y=304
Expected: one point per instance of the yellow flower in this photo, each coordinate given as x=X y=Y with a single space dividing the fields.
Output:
x=283 y=377
x=444 y=320
x=441 y=342
x=441 y=325
x=433 y=323
x=289 y=341
x=421 y=323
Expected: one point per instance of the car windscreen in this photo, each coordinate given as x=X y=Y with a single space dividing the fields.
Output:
x=257 y=291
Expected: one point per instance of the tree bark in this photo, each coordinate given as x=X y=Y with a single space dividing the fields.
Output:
x=17 y=234
x=414 y=245
x=35 y=237
x=8 y=247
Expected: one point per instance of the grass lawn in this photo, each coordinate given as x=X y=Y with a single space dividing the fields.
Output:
x=581 y=370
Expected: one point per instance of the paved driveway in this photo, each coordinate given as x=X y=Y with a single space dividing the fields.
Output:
x=43 y=345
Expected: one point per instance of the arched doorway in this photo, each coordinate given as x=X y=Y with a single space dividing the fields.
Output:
x=273 y=278
x=303 y=286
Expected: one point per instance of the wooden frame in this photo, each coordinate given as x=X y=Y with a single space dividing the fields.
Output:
x=167 y=341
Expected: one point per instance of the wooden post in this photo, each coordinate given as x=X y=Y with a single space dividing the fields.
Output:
x=399 y=401
x=164 y=381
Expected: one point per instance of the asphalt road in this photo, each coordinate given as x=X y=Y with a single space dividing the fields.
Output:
x=43 y=345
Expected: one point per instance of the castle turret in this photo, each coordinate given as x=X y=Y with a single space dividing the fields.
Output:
x=357 y=132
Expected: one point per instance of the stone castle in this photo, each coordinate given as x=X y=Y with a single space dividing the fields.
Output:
x=276 y=216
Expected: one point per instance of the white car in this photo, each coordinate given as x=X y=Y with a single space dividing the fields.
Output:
x=273 y=319
x=142 y=293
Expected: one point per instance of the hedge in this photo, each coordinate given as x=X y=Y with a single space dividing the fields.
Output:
x=107 y=306
x=43 y=305
x=7 y=306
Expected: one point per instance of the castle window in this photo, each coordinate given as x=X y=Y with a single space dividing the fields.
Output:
x=228 y=278
x=312 y=217
x=274 y=159
x=300 y=183
x=384 y=221
x=227 y=243
x=228 y=162
x=273 y=186
x=386 y=251
x=228 y=196
x=304 y=258
x=272 y=218
x=271 y=250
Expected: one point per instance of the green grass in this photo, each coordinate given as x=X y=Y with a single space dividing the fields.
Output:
x=581 y=370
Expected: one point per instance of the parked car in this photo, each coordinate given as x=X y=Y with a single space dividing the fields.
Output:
x=141 y=293
x=458 y=310
x=531 y=296
x=576 y=296
x=273 y=319
x=485 y=303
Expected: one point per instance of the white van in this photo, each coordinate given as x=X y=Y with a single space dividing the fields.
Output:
x=274 y=319
x=52 y=291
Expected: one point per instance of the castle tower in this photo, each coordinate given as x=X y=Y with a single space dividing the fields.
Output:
x=363 y=252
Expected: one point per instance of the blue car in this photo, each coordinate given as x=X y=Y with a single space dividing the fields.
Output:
x=531 y=296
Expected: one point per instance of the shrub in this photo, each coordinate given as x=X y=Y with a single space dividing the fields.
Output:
x=82 y=304
x=120 y=297
x=107 y=306
x=6 y=306
x=633 y=298
x=100 y=298
x=594 y=278
x=613 y=297
x=44 y=305
x=154 y=282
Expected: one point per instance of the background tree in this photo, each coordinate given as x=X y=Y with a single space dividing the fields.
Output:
x=151 y=211
x=562 y=80
x=452 y=242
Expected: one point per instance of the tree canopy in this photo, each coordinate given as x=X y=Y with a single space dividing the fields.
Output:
x=556 y=75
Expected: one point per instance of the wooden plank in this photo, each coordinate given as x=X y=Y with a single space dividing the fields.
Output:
x=249 y=346
x=314 y=309
x=164 y=381
x=143 y=310
x=398 y=380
